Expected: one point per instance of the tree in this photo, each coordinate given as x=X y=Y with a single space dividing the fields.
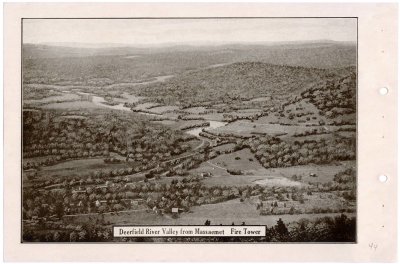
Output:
x=281 y=228
x=56 y=236
x=73 y=236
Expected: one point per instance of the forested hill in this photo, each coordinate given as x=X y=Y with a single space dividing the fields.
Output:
x=243 y=80
x=333 y=98
x=85 y=65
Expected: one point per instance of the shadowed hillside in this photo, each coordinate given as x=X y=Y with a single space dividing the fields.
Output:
x=334 y=98
x=243 y=80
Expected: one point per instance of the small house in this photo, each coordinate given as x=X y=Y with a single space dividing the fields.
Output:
x=206 y=174
x=177 y=210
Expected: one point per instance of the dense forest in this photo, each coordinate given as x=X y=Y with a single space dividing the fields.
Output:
x=244 y=80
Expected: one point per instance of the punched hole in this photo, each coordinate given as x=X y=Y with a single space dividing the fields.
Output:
x=383 y=178
x=384 y=91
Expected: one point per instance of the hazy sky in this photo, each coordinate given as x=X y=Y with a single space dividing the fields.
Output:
x=189 y=31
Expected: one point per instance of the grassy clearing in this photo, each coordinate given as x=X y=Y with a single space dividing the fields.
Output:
x=247 y=128
x=78 y=168
x=278 y=181
x=267 y=119
x=181 y=124
x=145 y=106
x=208 y=167
x=225 y=147
x=347 y=134
x=232 y=180
x=133 y=218
x=245 y=112
x=37 y=159
x=129 y=98
x=224 y=213
x=162 y=109
x=253 y=172
x=347 y=118
x=171 y=115
x=242 y=160
x=210 y=116
x=309 y=137
x=269 y=177
x=325 y=173
x=196 y=110
x=236 y=212
x=249 y=110
x=246 y=180
x=73 y=105
x=261 y=99
x=53 y=99
x=170 y=123
x=316 y=200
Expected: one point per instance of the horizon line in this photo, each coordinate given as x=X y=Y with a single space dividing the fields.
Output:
x=177 y=44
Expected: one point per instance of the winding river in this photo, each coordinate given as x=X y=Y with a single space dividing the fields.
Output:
x=213 y=124
x=100 y=101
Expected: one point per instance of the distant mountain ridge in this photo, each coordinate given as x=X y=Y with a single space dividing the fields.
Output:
x=240 y=80
x=194 y=45
x=241 y=50
x=49 y=64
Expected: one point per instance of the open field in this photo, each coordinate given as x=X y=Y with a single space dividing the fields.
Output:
x=224 y=213
x=163 y=109
x=236 y=212
x=225 y=147
x=196 y=110
x=247 y=128
x=208 y=167
x=245 y=180
x=134 y=217
x=311 y=203
x=170 y=123
x=53 y=99
x=267 y=177
x=209 y=116
x=242 y=160
x=37 y=159
x=76 y=105
x=144 y=106
x=324 y=173
x=77 y=168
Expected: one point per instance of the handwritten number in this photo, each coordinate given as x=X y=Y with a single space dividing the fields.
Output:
x=373 y=246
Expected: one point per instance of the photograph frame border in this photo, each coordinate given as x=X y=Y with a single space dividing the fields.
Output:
x=382 y=156
x=186 y=18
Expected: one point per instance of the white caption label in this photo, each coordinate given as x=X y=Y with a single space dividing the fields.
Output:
x=189 y=231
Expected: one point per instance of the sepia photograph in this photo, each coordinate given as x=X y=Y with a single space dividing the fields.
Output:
x=189 y=130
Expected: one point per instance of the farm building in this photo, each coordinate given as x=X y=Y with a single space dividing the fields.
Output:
x=205 y=174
